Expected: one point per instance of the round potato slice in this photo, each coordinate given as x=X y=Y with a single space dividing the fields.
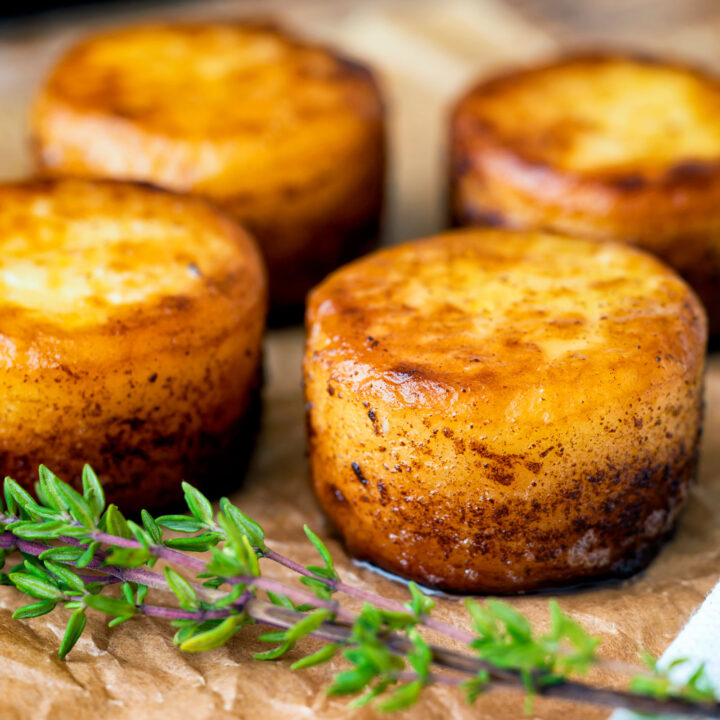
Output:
x=131 y=322
x=284 y=135
x=606 y=147
x=496 y=411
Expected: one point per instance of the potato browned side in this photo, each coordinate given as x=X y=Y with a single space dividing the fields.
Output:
x=131 y=322
x=607 y=147
x=284 y=135
x=498 y=411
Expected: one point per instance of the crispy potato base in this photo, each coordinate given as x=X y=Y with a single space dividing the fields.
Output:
x=130 y=338
x=285 y=136
x=606 y=147
x=496 y=411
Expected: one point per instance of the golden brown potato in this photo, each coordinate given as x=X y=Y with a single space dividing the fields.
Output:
x=499 y=411
x=131 y=322
x=605 y=147
x=284 y=135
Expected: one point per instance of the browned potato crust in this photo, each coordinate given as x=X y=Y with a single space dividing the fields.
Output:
x=284 y=135
x=607 y=147
x=499 y=411
x=131 y=322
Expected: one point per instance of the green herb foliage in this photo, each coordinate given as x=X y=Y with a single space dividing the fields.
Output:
x=73 y=551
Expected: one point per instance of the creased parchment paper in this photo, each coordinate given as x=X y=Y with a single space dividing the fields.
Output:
x=425 y=53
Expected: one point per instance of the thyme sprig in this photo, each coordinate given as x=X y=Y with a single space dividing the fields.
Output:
x=73 y=549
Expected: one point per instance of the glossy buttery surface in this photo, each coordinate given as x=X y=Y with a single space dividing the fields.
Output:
x=130 y=330
x=607 y=147
x=498 y=411
x=286 y=136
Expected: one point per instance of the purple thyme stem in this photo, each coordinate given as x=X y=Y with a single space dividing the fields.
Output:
x=8 y=541
x=100 y=554
x=157 y=581
x=287 y=562
x=160 y=551
x=178 y=614
x=450 y=630
x=295 y=594
x=267 y=584
x=268 y=614
x=103 y=579
x=114 y=540
x=178 y=558
x=468 y=665
x=137 y=575
x=377 y=600
x=30 y=547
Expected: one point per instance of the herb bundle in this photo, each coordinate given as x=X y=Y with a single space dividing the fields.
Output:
x=72 y=548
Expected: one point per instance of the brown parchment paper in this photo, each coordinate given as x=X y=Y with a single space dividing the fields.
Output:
x=426 y=52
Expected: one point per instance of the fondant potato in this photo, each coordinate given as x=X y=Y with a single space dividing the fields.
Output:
x=493 y=411
x=131 y=323
x=605 y=146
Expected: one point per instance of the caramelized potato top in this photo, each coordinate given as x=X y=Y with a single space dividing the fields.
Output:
x=601 y=114
x=511 y=317
x=78 y=256
x=227 y=96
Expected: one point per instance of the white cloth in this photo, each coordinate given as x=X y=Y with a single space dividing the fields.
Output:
x=699 y=641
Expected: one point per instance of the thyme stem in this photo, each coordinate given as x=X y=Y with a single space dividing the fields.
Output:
x=377 y=600
x=381 y=641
